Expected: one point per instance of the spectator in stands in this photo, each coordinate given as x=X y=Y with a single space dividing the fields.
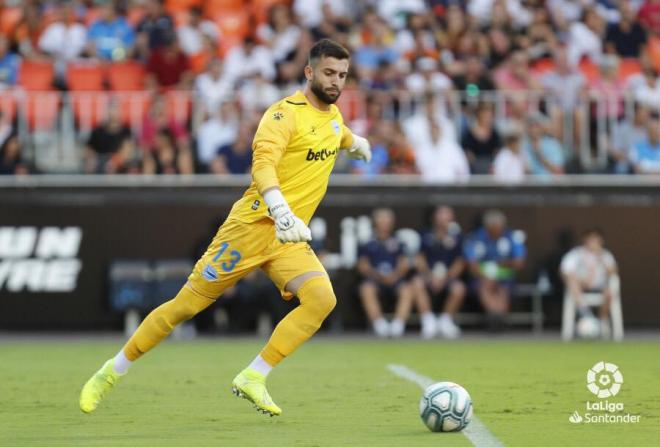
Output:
x=166 y=157
x=439 y=266
x=473 y=78
x=11 y=157
x=368 y=56
x=626 y=38
x=645 y=154
x=383 y=267
x=439 y=156
x=110 y=148
x=213 y=87
x=9 y=65
x=193 y=34
x=168 y=68
x=247 y=59
x=401 y=155
x=510 y=164
x=544 y=154
x=111 y=38
x=494 y=254
x=158 y=120
x=65 y=39
x=155 y=29
x=236 y=157
x=427 y=77
x=481 y=139
x=627 y=134
x=218 y=130
x=25 y=35
x=590 y=267
x=585 y=37
x=645 y=86
x=380 y=138
x=649 y=15
x=281 y=34
x=256 y=93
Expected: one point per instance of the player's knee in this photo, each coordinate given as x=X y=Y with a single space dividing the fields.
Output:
x=317 y=293
x=187 y=304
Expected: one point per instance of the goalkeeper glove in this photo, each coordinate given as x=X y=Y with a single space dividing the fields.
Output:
x=288 y=227
x=361 y=149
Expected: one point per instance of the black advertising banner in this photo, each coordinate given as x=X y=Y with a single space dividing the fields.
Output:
x=57 y=241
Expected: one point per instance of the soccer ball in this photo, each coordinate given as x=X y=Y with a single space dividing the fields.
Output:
x=445 y=406
x=588 y=327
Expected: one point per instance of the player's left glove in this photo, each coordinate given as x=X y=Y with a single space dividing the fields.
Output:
x=361 y=149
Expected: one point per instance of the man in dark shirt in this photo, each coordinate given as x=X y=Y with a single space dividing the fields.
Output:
x=440 y=265
x=235 y=158
x=110 y=147
x=384 y=266
x=474 y=80
x=626 y=38
x=154 y=28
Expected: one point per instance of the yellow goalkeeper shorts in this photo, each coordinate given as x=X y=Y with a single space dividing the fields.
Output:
x=238 y=248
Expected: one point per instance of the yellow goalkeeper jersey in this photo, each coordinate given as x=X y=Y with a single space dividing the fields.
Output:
x=295 y=147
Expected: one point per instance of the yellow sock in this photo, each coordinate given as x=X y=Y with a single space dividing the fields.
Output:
x=160 y=322
x=317 y=300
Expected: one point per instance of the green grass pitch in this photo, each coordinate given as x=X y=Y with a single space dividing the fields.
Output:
x=334 y=392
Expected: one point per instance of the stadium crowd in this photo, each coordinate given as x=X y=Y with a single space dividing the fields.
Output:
x=443 y=88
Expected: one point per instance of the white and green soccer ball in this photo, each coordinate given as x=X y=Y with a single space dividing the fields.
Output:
x=445 y=406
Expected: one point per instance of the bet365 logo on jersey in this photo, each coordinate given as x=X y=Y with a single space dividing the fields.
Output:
x=39 y=259
x=323 y=154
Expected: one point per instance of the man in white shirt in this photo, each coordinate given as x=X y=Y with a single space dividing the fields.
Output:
x=219 y=130
x=192 y=35
x=438 y=155
x=510 y=164
x=249 y=58
x=213 y=86
x=590 y=268
x=65 y=39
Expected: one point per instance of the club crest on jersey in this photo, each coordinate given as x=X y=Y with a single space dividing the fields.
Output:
x=323 y=154
x=278 y=116
x=335 y=126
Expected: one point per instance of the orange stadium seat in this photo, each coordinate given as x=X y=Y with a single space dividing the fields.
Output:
x=89 y=108
x=542 y=66
x=85 y=76
x=589 y=70
x=8 y=106
x=181 y=18
x=126 y=76
x=9 y=18
x=629 y=66
x=134 y=107
x=36 y=75
x=213 y=8
x=41 y=109
x=232 y=24
x=178 y=106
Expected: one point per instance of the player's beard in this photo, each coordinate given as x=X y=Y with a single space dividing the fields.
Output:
x=321 y=94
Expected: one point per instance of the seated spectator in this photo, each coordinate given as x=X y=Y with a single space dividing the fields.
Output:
x=157 y=120
x=494 y=254
x=213 y=87
x=111 y=38
x=585 y=37
x=473 y=78
x=427 y=77
x=27 y=32
x=481 y=139
x=566 y=85
x=11 y=157
x=383 y=267
x=368 y=56
x=515 y=79
x=154 y=30
x=256 y=94
x=380 y=137
x=65 y=39
x=248 y=59
x=510 y=164
x=401 y=155
x=193 y=34
x=166 y=157
x=217 y=131
x=281 y=34
x=439 y=266
x=590 y=267
x=626 y=38
x=645 y=86
x=545 y=156
x=645 y=154
x=235 y=157
x=627 y=134
x=437 y=152
x=168 y=68
x=9 y=65
x=110 y=148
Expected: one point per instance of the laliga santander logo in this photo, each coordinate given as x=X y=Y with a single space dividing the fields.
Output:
x=604 y=380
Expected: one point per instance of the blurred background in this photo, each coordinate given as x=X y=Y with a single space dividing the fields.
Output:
x=505 y=133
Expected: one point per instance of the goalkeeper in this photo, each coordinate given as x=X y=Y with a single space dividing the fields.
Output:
x=294 y=151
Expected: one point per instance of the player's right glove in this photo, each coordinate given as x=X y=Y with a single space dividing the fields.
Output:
x=288 y=227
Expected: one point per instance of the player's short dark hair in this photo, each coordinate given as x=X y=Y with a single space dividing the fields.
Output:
x=327 y=48
x=592 y=231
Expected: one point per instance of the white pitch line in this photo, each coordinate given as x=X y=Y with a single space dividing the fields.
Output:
x=476 y=431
